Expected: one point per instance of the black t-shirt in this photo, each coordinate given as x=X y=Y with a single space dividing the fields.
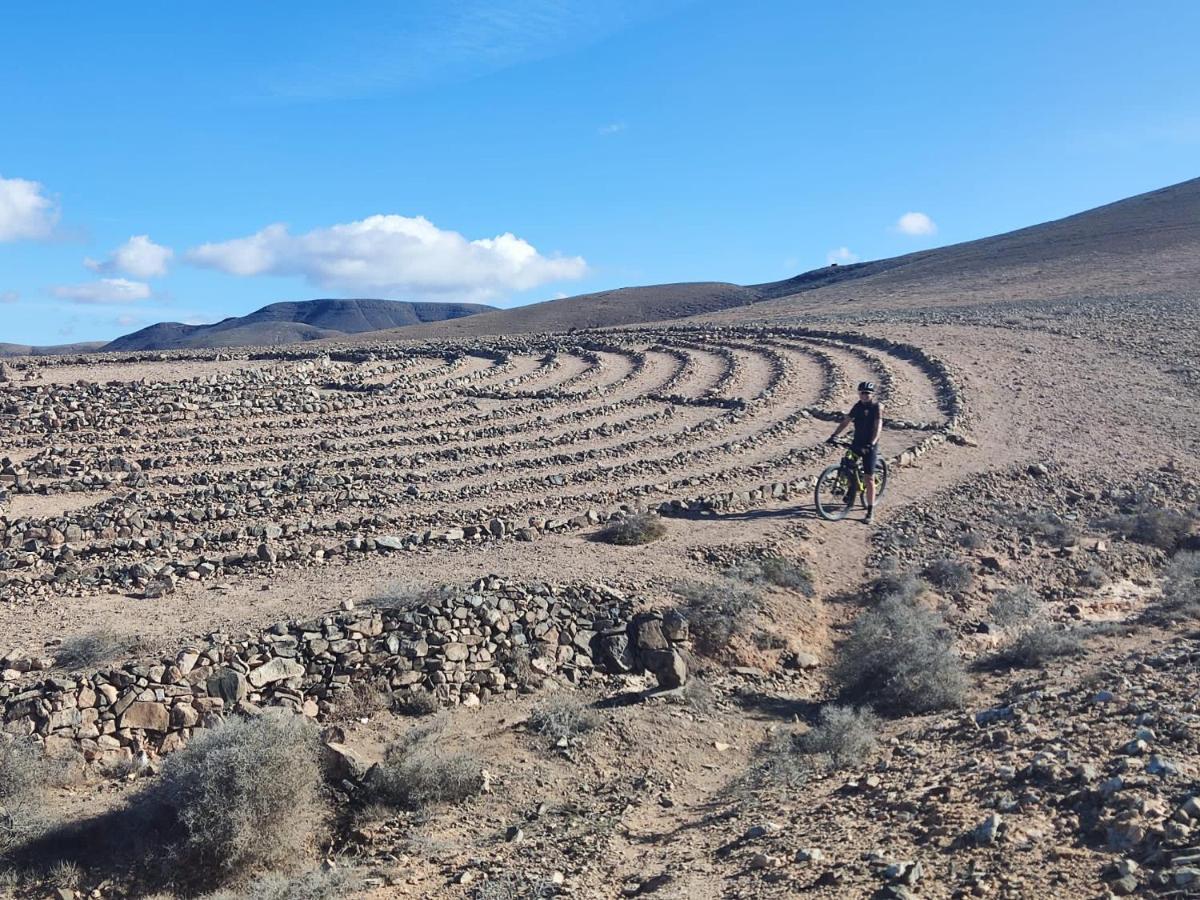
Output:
x=866 y=417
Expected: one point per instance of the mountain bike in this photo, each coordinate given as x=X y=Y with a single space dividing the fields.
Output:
x=839 y=486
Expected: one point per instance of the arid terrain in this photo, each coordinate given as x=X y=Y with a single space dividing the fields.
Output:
x=413 y=540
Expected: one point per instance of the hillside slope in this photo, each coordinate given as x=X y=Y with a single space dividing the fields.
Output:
x=1144 y=245
x=291 y=322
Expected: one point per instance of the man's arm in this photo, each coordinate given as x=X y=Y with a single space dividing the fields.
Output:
x=878 y=426
x=841 y=427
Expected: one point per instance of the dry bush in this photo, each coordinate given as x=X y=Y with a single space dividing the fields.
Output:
x=1181 y=588
x=900 y=659
x=563 y=716
x=716 y=614
x=88 y=650
x=1015 y=606
x=1091 y=575
x=1039 y=644
x=417 y=772
x=511 y=886
x=362 y=701
x=640 y=528
x=316 y=885
x=950 y=575
x=24 y=773
x=843 y=736
x=775 y=570
x=696 y=694
x=894 y=584
x=1042 y=523
x=244 y=796
x=414 y=703
x=1156 y=526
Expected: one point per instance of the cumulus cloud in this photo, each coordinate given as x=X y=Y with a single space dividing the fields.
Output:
x=139 y=256
x=916 y=224
x=392 y=254
x=104 y=291
x=9 y=296
x=25 y=211
x=842 y=256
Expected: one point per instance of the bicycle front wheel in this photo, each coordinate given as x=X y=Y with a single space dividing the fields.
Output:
x=834 y=494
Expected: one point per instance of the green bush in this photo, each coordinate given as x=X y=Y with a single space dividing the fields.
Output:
x=1037 y=645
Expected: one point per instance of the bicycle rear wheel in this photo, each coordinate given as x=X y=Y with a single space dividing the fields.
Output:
x=881 y=477
x=834 y=494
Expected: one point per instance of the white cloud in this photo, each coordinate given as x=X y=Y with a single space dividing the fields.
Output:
x=25 y=211
x=613 y=128
x=842 y=256
x=139 y=256
x=126 y=320
x=916 y=224
x=9 y=296
x=104 y=291
x=392 y=254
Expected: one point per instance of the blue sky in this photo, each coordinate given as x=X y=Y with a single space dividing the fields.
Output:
x=188 y=162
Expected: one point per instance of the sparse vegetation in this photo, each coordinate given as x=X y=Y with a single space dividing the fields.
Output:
x=563 y=716
x=1015 y=606
x=1181 y=588
x=775 y=570
x=629 y=531
x=24 y=772
x=843 y=736
x=1045 y=524
x=89 y=650
x=417 y=772
x=245 y=796
x=716 y=614
x=362 y=701
x=900 y=659
x=1039 y=644
x=316 y=885
x=950 y=575
x=1153 y=525
x=414 y=703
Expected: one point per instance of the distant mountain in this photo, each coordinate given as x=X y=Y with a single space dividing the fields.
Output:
x=289 y=323
x=52 y=350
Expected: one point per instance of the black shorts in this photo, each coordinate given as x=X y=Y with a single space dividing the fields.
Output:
x=868 y=455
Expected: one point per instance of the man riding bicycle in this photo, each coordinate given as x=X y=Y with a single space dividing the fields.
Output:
x=867 y=416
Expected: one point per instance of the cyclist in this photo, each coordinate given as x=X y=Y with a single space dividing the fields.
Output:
x=867 y=416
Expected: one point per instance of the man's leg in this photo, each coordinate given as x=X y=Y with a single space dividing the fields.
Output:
x=869 y=477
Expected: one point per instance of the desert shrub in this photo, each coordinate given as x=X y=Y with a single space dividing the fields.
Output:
x=362 y=701
x=87 y=650
x=696 y=694
x=716 y=614
x=414 y=703
x=950 y=575
x=1181 y=587
x=900 y=659
x=1039 y=644
x=316 y=885
x=246 y=795
x=843 y=736
x=628 y=531
x=24 y=773
x=563 y=717
x=971 y=540
x=894 y=584
x=1015 y=607
x=1041 y=523
x=511 y=886
x=1091 y=576
x=775 y=570
x=417 y=772
x=1153 y=525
